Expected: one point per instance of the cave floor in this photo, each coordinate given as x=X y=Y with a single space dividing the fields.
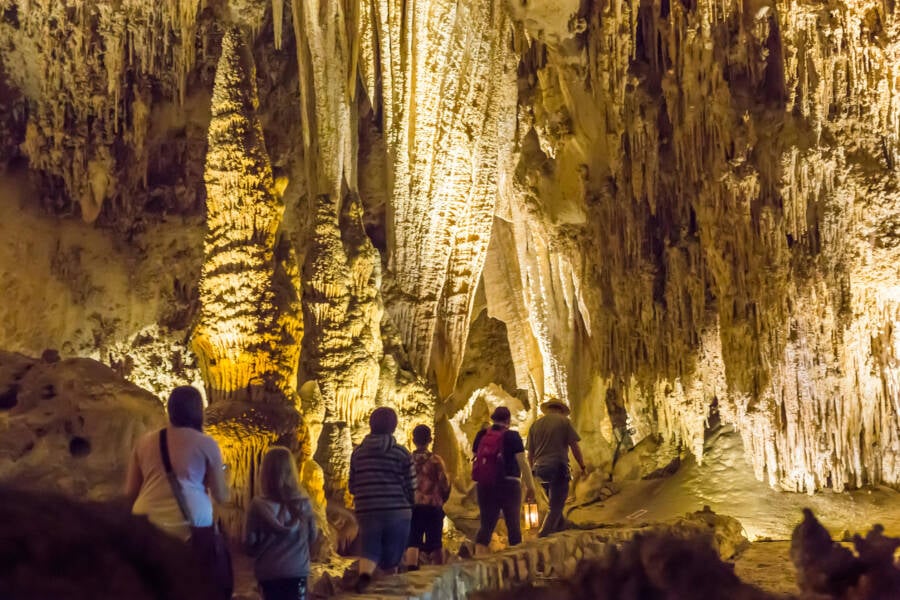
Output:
x=767 y=565
x=726 y=484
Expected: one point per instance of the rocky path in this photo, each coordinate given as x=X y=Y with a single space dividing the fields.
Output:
x=768 y=565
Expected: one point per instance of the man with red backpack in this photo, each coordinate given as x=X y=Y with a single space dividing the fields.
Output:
x=497 y=471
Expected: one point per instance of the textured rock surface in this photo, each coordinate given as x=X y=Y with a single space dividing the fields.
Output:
x=699 y=155
x=243 y=339
x=69 y=426
x=125 y=304
x=446 y=119
x=826 y=568
x=669 y=206
x=553 y=558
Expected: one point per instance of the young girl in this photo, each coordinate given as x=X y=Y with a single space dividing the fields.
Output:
x=280 y=529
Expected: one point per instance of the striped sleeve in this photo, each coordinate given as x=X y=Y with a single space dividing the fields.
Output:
x=382 y=481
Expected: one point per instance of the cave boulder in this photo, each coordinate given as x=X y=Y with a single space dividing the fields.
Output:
x=69 y=425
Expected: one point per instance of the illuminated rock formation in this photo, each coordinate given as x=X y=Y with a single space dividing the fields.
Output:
x=343 y=310
x=247 y=338
x=86 y=80
x=239 y=340
x=342 y=346
x=445 y=116
x=675 y=209
x=348 y=371
x=689 y=160
x=69 y=426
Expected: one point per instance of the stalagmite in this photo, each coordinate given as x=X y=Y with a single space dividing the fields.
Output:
x=246 y=342
x=237 y=339
x=674 y=212
x=342 y=346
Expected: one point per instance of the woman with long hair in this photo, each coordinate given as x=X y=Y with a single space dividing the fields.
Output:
x=280 y=529
x=195 y=459
x=171 y=476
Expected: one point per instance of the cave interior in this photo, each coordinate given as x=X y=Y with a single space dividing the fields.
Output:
x=681 y=219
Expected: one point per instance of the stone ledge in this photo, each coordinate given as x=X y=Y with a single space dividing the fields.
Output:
x=555 y=557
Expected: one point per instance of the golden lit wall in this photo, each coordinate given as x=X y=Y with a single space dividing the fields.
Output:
x=680 y=211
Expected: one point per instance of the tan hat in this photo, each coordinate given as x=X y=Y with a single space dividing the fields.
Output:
x=555 y=403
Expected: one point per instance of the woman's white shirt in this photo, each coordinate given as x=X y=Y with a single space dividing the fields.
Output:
x=192 y=454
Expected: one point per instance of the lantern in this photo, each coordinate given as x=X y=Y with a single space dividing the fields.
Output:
x=532 y=518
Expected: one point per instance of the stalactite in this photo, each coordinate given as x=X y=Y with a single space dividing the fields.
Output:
x=444 y=83
x=687 y=203
x=719 y=213
x=85 y=69
x=278 y=21
x=327 y=74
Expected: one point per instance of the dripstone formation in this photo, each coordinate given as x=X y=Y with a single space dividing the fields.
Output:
x=661 y=213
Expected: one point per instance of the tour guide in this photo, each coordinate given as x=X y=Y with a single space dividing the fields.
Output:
x=549 y=440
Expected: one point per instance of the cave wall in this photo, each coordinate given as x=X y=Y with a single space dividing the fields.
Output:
x=676 y=210
x=727 y=193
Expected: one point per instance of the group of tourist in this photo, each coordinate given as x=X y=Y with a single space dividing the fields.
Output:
x=500 y=489
x=398 y=495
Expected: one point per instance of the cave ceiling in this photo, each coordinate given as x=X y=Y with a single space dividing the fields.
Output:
x=677 y=210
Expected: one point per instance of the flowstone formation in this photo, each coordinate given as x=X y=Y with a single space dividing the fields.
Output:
x=673 y=212
x=700 y=154
x=446 y=118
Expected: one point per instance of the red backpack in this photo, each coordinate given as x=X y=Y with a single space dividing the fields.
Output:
x=488 y=465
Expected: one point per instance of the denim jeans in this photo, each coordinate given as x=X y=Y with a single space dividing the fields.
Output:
x=383 y=536
x=555 y=481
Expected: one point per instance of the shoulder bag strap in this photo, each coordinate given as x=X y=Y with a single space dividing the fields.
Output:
x=173 y=479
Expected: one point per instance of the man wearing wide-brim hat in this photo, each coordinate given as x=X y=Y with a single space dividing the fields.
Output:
x=549 y=441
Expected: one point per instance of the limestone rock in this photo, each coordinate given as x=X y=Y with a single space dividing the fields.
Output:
x=648 y=459
x=240 y=340
x=440 y=233
x=70 y=426
x=55 y=546
x=678 y=211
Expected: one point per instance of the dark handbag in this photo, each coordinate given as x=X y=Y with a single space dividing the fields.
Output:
x=207 y=543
